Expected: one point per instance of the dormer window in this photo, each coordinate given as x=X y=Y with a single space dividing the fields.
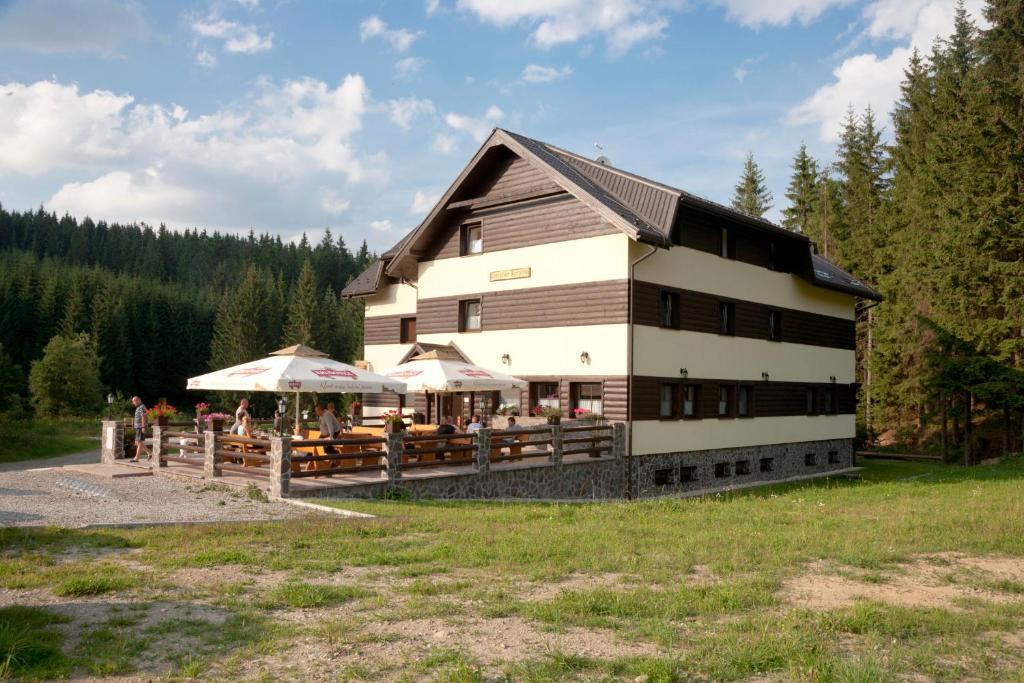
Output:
x=472 y=239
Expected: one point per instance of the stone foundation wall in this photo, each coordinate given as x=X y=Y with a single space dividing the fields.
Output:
x=596 y=480
x=666 y=474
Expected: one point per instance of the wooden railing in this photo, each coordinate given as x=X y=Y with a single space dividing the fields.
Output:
x=282 y=459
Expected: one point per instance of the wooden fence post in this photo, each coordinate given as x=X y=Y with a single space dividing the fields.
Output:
x=483 y=450
x=156 y=460
x=396 y=447
x=555 y=456
x=211 y=468
x=112 y=446
x=280 y=466
x=618 y=440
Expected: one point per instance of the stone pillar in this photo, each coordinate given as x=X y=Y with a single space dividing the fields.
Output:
x=483 y=450
x=211 y=468
x=555 y=456
x=112 y=441
x=280 y=466
x=618 y=440
x=156 y=458
x=396 y=447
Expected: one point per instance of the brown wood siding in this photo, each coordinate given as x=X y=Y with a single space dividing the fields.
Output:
x=586 y=303
x=543 y=221
x=515 y=176
x=651 y=203
x=699 y=312
x=770 y=399
x=614 y=393
x=702 y=231
x=382 y=400
x=384 y=329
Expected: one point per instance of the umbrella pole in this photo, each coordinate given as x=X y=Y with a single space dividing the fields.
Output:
x=297 y=429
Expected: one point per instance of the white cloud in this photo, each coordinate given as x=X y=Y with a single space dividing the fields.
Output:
x=431 y=7
x=622 y=23
x=476 y=128
x=404 y=111
x=422 y=202
x=287 y=137
x=742 y=69
x=70 y=26
x=205 y=58
x=535 y=73
x=408 y=67
x=399 y=39
x=444 y=143
x=236 y=37
x=758 y=13
x=381 y=226
x=873 y=80
x=332 y=203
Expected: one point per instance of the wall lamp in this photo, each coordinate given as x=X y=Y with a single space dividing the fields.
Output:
x=584 y=357
x=506 y=359
x=764 y=376
x=684 y=372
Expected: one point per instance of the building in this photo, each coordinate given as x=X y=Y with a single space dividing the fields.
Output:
x=724 y=341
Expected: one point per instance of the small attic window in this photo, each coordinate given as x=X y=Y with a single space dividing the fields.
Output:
x=472 y=239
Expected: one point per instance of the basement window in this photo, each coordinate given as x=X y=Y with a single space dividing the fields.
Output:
x=687 y=473
x=767 y=464
x=663 y=477
x=810 y=459
x=833 y=457
x=722 y=470
x=742 y=467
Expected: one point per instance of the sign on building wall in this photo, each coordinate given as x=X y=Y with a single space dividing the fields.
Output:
x=509 y=274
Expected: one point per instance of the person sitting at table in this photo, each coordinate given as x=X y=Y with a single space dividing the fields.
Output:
x=241 y=412
x=243 y=428
x=446 y=426
x=476 y=425
x=513 y=426
x=330 y=428
x=332 y=409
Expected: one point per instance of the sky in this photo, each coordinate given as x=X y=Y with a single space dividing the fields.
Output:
x=292 y=116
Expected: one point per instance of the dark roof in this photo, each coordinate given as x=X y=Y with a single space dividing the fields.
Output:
x=367 y=282
x=829 y=275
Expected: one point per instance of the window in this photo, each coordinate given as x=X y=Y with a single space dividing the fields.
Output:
x=667 y=402
x=727 y=243
x=668 y=315
x=774 y=325
x=724 y=401
x=587 y=396
x=663 y=477
x=810 y=459
x=743 y=401
x=829 y=400
x=727 y=318
x=742 y=467
x=407 y=333
x=722 y=469
x=687 y=473
x=772 y=260
x=833 y=457
x=469 y=316
x=767 y=464
x=544 y=394
x=691 y=401
x=472 y=241
x=811 y=403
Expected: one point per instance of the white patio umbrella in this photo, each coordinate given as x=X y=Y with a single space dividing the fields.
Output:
x=296 y=368
x=426 y=374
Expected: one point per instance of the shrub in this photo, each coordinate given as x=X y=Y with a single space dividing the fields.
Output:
x=66 y=380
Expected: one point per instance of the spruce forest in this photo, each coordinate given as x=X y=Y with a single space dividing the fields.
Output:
x=926 y=204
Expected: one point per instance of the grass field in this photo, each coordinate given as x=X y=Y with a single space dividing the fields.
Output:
x=914 y=573
x=46 y=438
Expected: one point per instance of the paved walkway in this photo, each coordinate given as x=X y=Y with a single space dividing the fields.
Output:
x=58 y=461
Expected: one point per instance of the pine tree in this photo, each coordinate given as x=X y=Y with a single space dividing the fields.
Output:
x=802 y=192
x=751 y=195
x=301 y=322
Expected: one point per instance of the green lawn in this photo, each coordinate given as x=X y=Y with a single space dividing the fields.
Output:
x=46 y=438
x=657 y=590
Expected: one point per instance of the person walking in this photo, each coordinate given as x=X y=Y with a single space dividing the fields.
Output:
x=139 y=423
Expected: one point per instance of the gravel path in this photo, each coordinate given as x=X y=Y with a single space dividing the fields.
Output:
x=58 y=461
x=67 y=498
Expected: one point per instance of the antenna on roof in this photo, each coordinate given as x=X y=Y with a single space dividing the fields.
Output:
x=601 y=158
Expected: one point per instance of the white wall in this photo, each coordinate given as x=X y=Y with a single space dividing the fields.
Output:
x=699 y=271
x=393 y=299
x=661 y=353
x=560 y=263
x=669 y=436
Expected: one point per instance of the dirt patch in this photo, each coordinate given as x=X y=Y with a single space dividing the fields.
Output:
x=940 y=580
x=576 y=581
